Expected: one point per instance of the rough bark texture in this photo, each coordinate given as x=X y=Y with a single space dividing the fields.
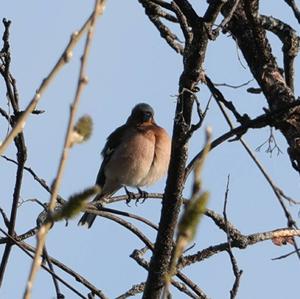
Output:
x=193 y=59
x=252 y=40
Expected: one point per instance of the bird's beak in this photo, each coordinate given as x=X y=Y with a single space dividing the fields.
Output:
x=147 y=117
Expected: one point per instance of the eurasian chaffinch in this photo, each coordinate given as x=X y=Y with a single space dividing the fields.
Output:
x=136 y=154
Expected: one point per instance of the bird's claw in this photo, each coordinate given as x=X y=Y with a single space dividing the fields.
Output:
x=130 y=195
x=143 y=195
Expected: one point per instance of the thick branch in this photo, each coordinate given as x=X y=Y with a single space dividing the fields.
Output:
x=193 y=58
x=251 y=38
x=290 y=41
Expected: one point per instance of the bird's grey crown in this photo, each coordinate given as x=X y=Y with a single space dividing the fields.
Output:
x=142 y=107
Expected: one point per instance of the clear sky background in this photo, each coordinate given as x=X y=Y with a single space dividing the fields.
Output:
x=130 y=63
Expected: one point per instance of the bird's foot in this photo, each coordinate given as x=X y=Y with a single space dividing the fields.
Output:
x=130 y=195
x=143 y=195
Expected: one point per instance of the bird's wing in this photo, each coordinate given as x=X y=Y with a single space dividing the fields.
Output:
x=112 y=142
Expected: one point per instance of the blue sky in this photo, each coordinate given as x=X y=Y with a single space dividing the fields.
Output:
x=130 y=63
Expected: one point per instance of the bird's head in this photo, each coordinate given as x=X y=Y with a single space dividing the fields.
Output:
x=141 y=113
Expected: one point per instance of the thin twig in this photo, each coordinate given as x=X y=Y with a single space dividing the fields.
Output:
x=79 y=278
x=154 y=12
x=130 y=215
x=24 y=246
x=19 y=141
x=125 y=224
x=43 y=266
x=220 y=99
x=41 y=181
x=64 y=58
x=237 y=273
x=144 y=239
x=5 y=218
x=59 y=295
x=272 y=144
x=162 y=3
x=234 y=86
x=290 y=221
x=285 y=255
x=41 y=236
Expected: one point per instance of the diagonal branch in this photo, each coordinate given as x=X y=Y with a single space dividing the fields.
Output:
x=278 y=192
x=295 y=8
x=64 y=58
x=19 y=141
x=154 y=12
x=137 y=255
x=43 y=266
x=82 y=80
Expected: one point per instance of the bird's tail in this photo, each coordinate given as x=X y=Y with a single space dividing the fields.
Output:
x=87 y=220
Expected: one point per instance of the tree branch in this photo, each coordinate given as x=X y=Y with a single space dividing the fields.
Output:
x=240 y=241
x=295 y=9
x=64 y=58
x=290 y=41
x=19 y=141
x=251 y=38
x=193 y=58
x=82 y=80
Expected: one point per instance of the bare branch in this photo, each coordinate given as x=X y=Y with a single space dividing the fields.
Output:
x=5 y=218
x=295 y=9
x=134 y=290
x=19 y=141
x=272 y=144
x=237 y=273
x=247 y=240
x=192 y=74
x=291 y=44
x=252 y=40
x=291 y=221
x=43 y=266
x=59 y=295
x=226 y=19
x=41 y=236
x=154 y=13
x=41 y=181
x=64 y=58
x=261 y=121
x=233 y=86
x=79 y=278
x=137 y=255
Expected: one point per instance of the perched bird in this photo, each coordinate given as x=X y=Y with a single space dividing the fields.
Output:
x=136 y=154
